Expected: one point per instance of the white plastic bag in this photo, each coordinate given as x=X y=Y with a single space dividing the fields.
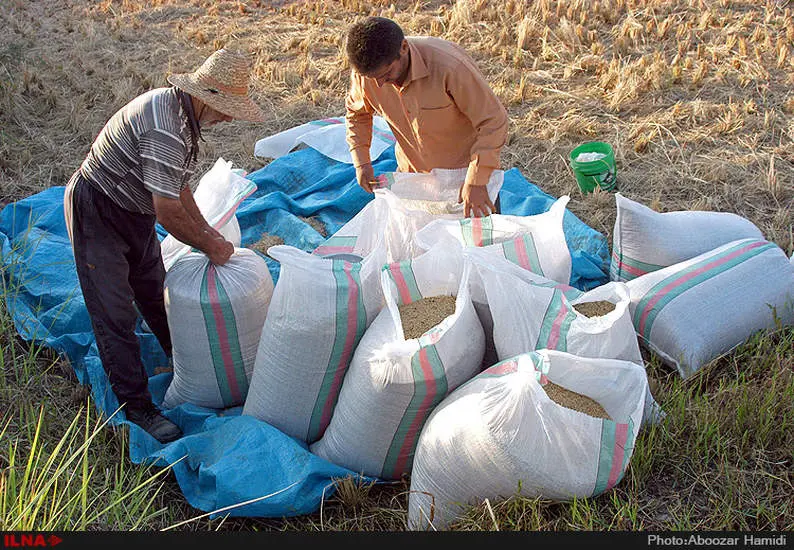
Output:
x=215 y=315
x=535 y=243
x=389 y=220
x=326 y=136
x=380 y=223
x=530 y=313
x=436 y=192
x=393 y=384
x=403 y=204
x=694 y=311
x=644 y=240
x=231 y=231
x=501 y=435
x=218 y=194
x=319 y=311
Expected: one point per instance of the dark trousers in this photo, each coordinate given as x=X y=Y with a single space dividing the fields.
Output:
x=119 y=265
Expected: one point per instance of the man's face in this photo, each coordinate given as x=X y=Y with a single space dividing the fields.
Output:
x=211 y=117
x=395 y=72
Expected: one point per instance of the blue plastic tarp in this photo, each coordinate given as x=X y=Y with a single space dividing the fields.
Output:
x=226 y=463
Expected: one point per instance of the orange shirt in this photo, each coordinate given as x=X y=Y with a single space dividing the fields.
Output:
x=444 y=116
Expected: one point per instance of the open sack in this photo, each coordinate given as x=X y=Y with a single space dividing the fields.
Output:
x=394 y=383
x=501 y=434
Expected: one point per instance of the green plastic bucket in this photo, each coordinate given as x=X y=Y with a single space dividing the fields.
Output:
x=594 y=173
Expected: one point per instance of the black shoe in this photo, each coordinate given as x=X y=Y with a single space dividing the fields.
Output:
x=151 y=420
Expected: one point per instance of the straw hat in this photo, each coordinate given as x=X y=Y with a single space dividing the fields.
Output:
x=222 y=83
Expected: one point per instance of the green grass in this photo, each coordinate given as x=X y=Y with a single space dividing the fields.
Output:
x=721 y=460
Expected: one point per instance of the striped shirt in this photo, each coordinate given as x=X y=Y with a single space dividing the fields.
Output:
x=144 y=149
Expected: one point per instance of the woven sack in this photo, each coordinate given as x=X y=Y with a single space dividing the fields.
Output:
x=215 y=316
x=319 y=311
x=694 y=311
x=393 y=384
x=644 y=240
x=535 y=243
x=531 y=312
x=501 y=435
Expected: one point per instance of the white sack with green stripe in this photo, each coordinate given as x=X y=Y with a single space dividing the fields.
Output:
x=692 y=312
x=535 y=243
x=215 y=315
x=501 y=435
x=319 y=311
x=531 y=312
x=644 y=241
x=393 y=384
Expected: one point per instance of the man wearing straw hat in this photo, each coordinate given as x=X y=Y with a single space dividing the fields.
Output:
x=135 y=174
x=437 y=103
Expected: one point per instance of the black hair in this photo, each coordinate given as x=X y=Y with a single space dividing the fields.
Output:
x=373 y=42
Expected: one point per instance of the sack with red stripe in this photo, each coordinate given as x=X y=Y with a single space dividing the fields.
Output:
x=692 y=312
x=531 y=312
x=534 y=243
x=644 y=241
x=319 y=311
x=501 y=434
x=394 y=383
x=215 y=315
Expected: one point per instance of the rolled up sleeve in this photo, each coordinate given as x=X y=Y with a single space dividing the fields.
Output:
x=476 y=100
x=358 y=121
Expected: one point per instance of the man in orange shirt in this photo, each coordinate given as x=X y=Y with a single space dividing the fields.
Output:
x=434 y=98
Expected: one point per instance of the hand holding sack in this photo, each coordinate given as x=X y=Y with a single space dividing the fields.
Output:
x=218 y=194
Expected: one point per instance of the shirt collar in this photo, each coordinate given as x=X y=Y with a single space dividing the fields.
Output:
x=187 y=107
x=418 y=68
x=186 y=103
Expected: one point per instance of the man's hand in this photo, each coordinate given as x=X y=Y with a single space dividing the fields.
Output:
x=220 y=251
x=476 y=201
x=191 y=230
x=365 y=175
